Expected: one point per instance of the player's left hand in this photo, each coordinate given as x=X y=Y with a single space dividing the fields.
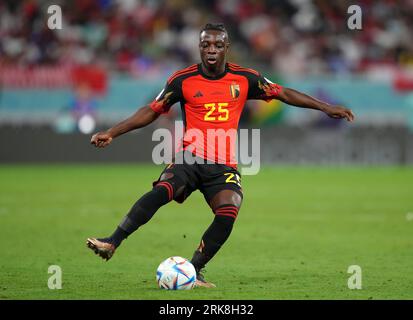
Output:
x=339 y=112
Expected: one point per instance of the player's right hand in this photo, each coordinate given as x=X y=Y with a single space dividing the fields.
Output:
x=101 y=139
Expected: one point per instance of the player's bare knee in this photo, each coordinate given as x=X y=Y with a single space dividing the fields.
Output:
x=226 y=197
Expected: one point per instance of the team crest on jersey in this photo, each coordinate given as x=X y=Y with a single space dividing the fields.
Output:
x=234 y=88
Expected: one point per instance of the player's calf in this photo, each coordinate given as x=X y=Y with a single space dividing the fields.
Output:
x=213 y=239
x=144 y=209
x=140 y=213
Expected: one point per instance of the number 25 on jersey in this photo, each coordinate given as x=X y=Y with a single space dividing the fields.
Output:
x=223 y=112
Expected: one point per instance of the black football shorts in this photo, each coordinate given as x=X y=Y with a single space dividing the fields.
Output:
x=209 y=178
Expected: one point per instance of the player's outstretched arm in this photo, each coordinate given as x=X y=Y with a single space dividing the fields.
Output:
x=141 y=118
x=298 y=99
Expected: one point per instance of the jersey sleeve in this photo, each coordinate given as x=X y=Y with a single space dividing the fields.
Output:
x=261 y=88
x=170 y=94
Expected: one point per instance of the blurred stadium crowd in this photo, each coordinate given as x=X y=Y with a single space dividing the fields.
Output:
x=112 y=56
x=153 y=38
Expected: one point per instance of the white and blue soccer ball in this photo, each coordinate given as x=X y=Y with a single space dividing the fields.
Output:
x=176 y=273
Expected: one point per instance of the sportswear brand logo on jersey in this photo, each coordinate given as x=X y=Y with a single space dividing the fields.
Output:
x=198 y=94
x=234 y=88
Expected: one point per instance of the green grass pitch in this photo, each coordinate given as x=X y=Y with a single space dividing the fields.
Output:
x=297 y=233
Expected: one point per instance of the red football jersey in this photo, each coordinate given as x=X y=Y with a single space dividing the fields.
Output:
x=212 y=106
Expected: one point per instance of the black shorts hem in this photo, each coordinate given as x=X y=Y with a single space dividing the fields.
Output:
x=210 y=192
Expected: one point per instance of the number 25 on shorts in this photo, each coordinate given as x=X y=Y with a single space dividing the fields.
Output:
x=222 y=109
x=230 y=178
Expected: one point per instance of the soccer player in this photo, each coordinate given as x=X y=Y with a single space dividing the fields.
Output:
x=212 y=95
